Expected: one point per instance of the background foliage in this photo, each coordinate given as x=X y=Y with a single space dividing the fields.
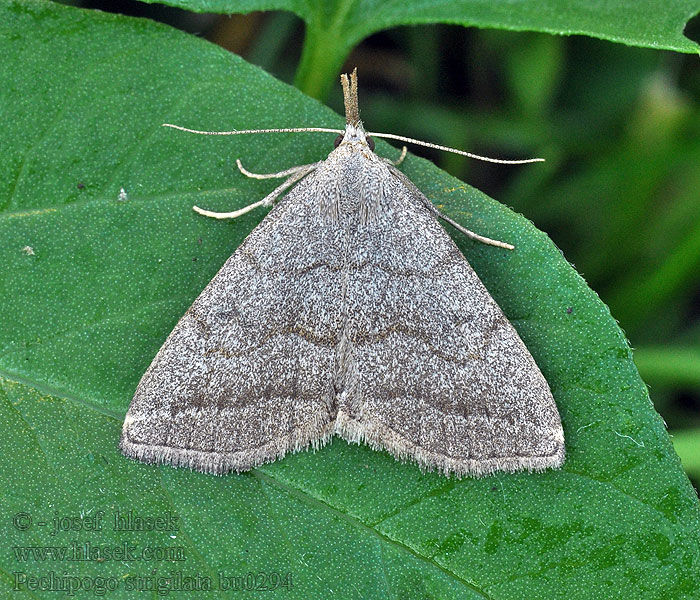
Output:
x=88 y=306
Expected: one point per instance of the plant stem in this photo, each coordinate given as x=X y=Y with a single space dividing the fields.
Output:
x=327 y=43
x=319 y=65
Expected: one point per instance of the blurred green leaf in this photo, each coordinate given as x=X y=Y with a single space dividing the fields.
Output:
x=656 y=284
x=687 y=445
x=671 y=365
x=335 y=26
x=633 y=190
x=93 y=280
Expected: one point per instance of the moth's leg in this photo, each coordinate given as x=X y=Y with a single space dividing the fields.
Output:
x=472 y=235
x=399 y=160
x=299 y=173
x=431 y=207
x=285 y=173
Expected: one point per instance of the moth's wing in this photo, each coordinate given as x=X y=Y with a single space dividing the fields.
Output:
x=436 y=373
x=248 y=372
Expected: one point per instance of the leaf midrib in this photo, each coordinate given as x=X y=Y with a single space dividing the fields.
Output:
x=318 y=503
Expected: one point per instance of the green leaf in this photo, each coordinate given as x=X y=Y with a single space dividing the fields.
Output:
x=94 y=280
x=334 y=27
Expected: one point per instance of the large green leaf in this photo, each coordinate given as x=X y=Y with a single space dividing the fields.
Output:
x=335 y=26
x=93 y=281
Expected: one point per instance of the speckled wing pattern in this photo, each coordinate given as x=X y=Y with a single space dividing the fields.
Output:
x=439 y=374
x=248 y=372
x=349 y=311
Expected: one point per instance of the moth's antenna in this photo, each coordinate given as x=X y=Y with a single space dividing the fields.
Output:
x=245 y=131
x=352 y=117
x=390 y=136
x=401 y=138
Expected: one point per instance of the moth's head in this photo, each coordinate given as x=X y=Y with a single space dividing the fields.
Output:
x=355 y=134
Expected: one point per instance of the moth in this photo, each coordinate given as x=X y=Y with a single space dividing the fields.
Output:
x=348 y=310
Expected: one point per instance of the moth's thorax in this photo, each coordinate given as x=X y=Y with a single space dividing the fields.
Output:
x=350 y=183
x=355 y=133
x=354 y=142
